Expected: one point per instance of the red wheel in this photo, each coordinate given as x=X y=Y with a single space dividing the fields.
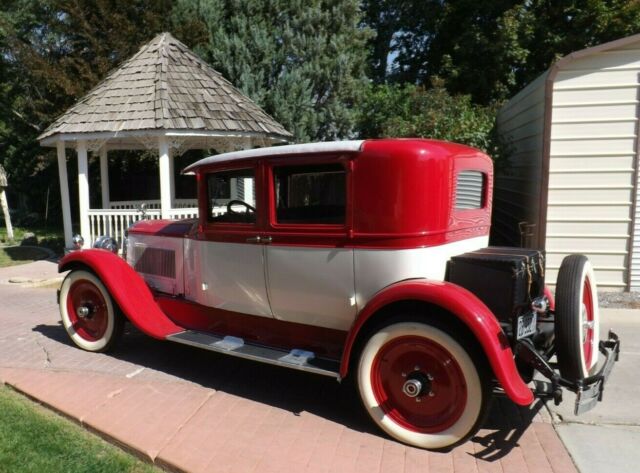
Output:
x=577 y=326
x=421 y=386
x=87 y=312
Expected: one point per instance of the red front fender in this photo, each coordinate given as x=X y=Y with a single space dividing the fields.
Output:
x=126 y=287
x=470 y=310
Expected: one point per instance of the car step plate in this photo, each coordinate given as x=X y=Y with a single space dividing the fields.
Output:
x=296 y=359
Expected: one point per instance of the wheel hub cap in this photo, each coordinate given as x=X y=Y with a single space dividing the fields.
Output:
x=83 y=312
x=415 y=386
x=418 y=384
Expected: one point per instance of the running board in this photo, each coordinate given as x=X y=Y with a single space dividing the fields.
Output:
x=296 y=359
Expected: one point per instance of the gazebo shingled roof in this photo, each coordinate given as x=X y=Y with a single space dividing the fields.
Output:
x=164 y=97
x=164 y=86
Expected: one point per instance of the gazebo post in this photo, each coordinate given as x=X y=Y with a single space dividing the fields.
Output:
x=104 y=177
x=165 y=176
x=172 y=174
x=64 y=194
x=83 y=190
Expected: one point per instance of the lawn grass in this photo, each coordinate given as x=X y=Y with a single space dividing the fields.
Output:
x=33 y=439
x=52 y=238
x=10 y=256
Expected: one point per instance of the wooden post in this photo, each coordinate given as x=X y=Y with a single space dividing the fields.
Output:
x=64 y=194
x=5 y=211
x=165 y=176
x=104 y=177
x=83 y=191
x=172 y=174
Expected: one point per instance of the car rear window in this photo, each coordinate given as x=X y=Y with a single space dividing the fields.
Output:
x=313 y=194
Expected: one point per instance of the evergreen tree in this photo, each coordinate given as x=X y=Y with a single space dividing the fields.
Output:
x=302 y=61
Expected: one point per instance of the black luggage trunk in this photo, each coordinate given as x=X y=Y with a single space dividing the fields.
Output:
x=506 y=279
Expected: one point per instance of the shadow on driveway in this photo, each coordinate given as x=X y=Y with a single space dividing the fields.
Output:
x=291 y=390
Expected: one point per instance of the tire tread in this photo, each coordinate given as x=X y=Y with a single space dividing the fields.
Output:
x=568 y=302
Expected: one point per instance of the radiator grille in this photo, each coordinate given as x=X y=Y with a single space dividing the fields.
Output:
x=469 y=190
x=156 y=261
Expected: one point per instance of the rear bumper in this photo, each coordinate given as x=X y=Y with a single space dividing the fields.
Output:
x=588 y=390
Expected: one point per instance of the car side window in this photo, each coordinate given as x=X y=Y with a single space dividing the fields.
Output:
x=310 y=194
x=231 y=196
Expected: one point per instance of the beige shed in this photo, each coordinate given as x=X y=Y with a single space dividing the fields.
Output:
x=163 y=98
x=571 y=180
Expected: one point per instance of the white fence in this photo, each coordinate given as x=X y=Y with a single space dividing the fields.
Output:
x=152 y=204
x=114 y=222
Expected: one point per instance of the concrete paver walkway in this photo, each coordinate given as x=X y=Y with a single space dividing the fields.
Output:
x=190 y=410
x=607 y=438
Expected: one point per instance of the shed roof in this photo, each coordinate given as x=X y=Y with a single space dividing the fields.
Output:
x=164 y=87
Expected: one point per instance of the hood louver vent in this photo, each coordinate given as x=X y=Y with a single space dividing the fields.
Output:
x=155 y=261
x=469 y=190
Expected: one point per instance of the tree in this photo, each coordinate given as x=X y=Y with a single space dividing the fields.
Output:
x=557 y=28
x=302 y=61
x=415 y=111
x=488 y=49
x=51 y=53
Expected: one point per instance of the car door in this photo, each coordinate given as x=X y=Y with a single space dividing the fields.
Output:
x=310 y=274
x=228 y=266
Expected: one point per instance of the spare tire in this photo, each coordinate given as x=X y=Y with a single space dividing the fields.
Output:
x=577 y=327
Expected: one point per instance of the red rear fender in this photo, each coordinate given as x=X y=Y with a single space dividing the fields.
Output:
x=466 y=307
x=126 y=287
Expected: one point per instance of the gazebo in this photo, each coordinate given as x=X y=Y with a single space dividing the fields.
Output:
x=165 y=98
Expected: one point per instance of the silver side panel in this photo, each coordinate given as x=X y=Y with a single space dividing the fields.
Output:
x=313 y=286
x=376 y=269
x=227 y=276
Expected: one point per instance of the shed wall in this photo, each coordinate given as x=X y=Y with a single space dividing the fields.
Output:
x=592 y=167
x=518 y=179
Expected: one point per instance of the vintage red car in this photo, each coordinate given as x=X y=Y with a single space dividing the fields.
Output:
x=363 y=259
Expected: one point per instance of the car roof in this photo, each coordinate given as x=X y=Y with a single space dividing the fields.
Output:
x=349 y=146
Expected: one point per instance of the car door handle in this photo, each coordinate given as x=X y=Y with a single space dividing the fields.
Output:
x=259 y=239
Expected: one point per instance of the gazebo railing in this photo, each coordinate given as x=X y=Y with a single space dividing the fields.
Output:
x=114 y=222
x=152 y=204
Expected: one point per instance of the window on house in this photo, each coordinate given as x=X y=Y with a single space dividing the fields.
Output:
x=470 y=190
x=231 y=196
x=313 y=194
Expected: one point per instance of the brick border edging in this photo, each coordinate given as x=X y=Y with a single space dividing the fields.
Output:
x=143 y=456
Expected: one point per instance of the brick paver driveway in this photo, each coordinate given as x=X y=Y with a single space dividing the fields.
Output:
x=190 y=410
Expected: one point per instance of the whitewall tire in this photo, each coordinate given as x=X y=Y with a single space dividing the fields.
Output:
x=577 y=327
x=88 y=312
x=421 y=386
